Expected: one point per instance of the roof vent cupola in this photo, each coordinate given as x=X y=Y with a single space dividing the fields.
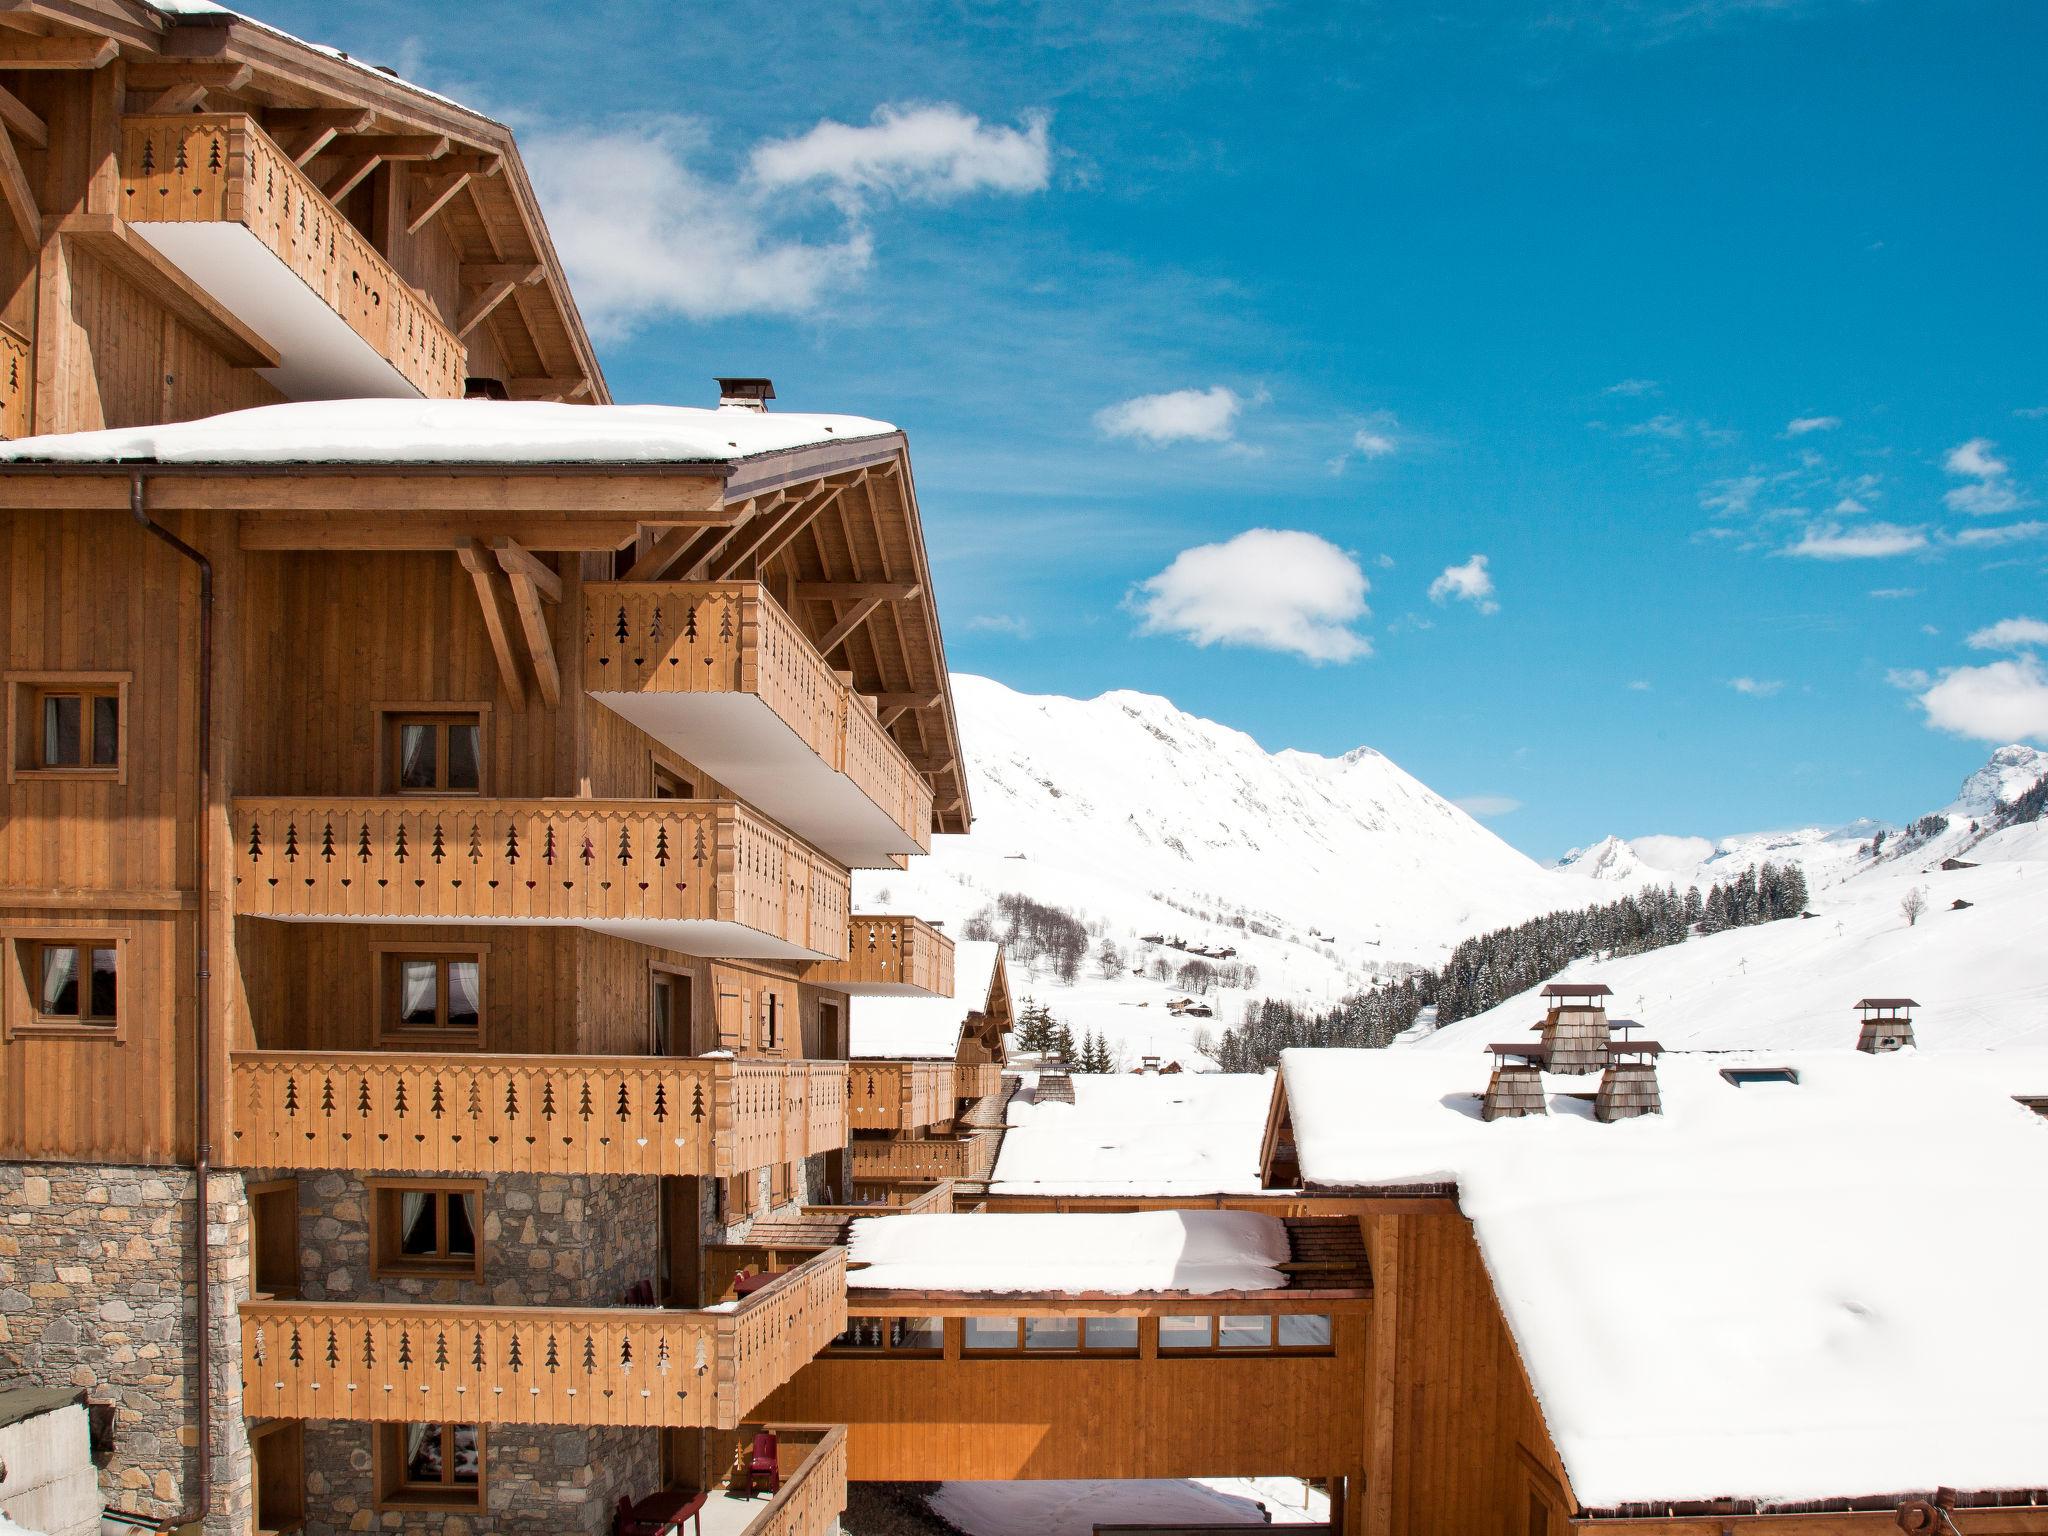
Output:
x=1885 y=1024
x=1574 y=1026
x=1516 y=1088
x=745 y=394
x=1629 y=1085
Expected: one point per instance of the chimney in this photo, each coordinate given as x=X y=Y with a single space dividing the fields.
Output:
x=1574 y=1026
x=482 y=387
x=1516 y=1088
x=1884 y=1024
x=1149 y=1065
x=745 y=394
x=1629 y=1085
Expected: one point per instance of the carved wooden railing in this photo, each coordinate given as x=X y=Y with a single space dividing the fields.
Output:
x=221 y=168
x=405 y=1112
x=905 y=953
x=920 y=1160
x=812 y=1461
x=977 y=1080
x=17 y=378
x=899 y=1095
x=936 y=1201
x=566 y=861
x=732 y=637
x=632 y=1366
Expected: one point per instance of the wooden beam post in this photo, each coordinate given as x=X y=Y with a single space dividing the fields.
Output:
x=430 y=197
x=479 y=308
x=861 y=612
x=484 y=572
x=21 y=121
x=19 y=196
x=517 y=561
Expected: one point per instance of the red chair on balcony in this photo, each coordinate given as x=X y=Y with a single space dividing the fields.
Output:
x=762 y=1466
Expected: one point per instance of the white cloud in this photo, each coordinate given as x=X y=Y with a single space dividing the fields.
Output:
x=1867 y=541
x=1733 y=497
x=1894 y=592
x=1268 y=588
x=929 y=154
x=1662 y=425
x=1976 y=460
x=1632 y=388
x=1468 y=583
x=1799 y=426
x=1484 y=806
x=1908 y=677
x=647 y=236
x=2005 y=533
x=1001 y=624
x=1661 y=850
x=1179 y=416
x=2002 y=701
x=1371 y=444
x=1639 y=685
x=1756 y=687
x=2032 y=412
x=2010 y=635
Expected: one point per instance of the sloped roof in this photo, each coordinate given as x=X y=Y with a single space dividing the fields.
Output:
x=1188 y=1133
x=1133 y=1253
x=925 y=1028
x=1777 y=1292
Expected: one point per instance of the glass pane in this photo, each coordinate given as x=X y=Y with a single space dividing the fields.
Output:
x=1304 y=1330
x=61 y=717
x=416 y=749
x=104 y=981
x=465 y=757
x=464 y=978
x=416 y=1225
x=1247 y=1333
x=462 y=1226
x=861 y=1333
x=106 y=731
x=467 y=1461
x=419 y=983
x=423 y=1453
x=1184 y=1332
x=917 y=1333
x=1052 y=1333
x=991 y=1333
x=60 y=980
x=1112 y=1333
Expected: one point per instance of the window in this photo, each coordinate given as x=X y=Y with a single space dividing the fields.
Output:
x=919 y=1336
x=437 y=1466
x=1244 y=1332
x=987 y=1333
x=424 y=1228
x=434 y=752
x=670 y=785
x=67 y=725
x=274 y=1238
x=1750 y=1077
x=1118 y=1334
x=70 y=984
x=278 y=1448
x=1183 y=1333
x=1304 y=1330
x=432 y=997
x=1289 y=1333
x=1052 y=1333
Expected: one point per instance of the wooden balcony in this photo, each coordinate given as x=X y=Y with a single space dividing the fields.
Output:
x=642 y=1367
x=217 y=197
x=899 y=1095
x=400 y=1112
x=811 y=1459
x=885 y=1162
x=717 y=671
x=979 y=1080
x=17 y=380
x=890 y=957
x=706 y=877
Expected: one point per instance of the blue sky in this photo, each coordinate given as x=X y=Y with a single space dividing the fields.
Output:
x=1716 y=327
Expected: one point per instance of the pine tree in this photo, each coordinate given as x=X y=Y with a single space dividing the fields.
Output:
x=1063 y=1048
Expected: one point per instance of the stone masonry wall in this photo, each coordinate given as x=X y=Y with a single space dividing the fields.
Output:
x=96 y=1292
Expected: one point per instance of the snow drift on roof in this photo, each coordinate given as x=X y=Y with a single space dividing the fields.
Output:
x=896 y=1028
x=453 y=432
x=1195 y=1252
x=1777 y=1292
x=1191 y=1133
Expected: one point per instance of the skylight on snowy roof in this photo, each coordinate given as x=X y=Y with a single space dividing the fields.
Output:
x=1750 y=1077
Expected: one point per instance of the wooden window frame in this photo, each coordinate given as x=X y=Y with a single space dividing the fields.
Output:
x=394 y=1492
x=389 y=1034
x=386 y=1205
x=970 y=1350
x=271 y=1189
x=683 y=783
x=25 y=1019
x=289 y=1436
x=25 y=691
x=890 y=1348
x=1216 y=1349
x=682 y=980
x=390 y=716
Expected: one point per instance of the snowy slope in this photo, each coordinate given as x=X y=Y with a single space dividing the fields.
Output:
x=1145 y=819
x=1981 y=974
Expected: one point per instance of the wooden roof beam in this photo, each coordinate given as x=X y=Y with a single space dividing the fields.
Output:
x=484 y=572
x=518 y=561
x=20 y=121
x=305 y=131
x=861 y=612
x=57 y=52
x=555 y=387
x=531 y=582
x=480 y=306
x=19 y=196
x=907 y=700
x=349 y=175
x=856 y=591
x=429 y=198
x=190 y=95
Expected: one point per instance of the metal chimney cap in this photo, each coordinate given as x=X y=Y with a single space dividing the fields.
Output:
x=753 y=394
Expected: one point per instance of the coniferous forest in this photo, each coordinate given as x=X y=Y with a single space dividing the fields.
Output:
x=1492 y=967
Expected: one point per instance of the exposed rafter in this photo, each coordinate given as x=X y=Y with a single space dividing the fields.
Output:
x=20 y=121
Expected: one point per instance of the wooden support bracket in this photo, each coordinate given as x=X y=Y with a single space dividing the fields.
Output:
x=23 y=122
x=19 y=196
x=58 y=52
x=485 y=573
x=857 y=616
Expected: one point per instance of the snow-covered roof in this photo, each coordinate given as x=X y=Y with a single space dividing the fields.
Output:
x=1191 y=1133
x=899 y=1028
x=1190 y=1252
x=453 y=432
x=1779 y=1292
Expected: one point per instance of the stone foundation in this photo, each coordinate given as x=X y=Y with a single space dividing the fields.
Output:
x=538 y=1481
x=96 y=1292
